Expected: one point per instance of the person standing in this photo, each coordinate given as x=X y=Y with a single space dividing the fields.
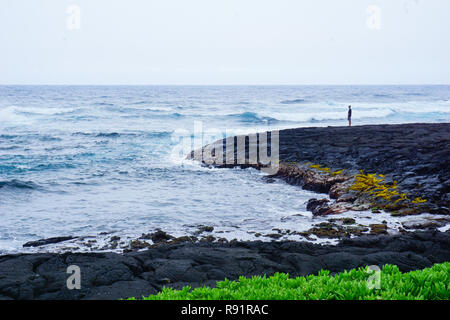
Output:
x=349 y=117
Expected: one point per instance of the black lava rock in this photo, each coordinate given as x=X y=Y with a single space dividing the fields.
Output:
x=114 y=276
x=43 y=242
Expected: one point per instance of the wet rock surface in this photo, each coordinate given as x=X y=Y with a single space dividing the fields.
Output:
x=157 y=236
x=43 y=242
x=318 y=207
x=114 y=276
x=335 y=229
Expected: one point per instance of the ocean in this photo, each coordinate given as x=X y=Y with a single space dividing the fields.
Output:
x=90 y=160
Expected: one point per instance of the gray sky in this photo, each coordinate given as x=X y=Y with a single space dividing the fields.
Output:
x=224 y=42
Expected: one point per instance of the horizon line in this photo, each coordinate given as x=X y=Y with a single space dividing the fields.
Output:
x=224 y=85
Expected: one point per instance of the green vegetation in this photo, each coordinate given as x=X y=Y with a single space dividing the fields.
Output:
x=428 y=284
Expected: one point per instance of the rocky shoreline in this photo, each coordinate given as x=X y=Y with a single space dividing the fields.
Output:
x=396 y=171
x=110 y=275
x=402 y=169
x=371 y=177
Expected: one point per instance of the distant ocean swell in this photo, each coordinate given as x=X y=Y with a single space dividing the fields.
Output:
x=308 y=113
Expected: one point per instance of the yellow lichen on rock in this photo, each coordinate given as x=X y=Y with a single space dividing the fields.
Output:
x=372 y=184
x=419 y=200
x=319 y=167
x=336 y=173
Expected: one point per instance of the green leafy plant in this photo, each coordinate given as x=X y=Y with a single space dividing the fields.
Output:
x=427 y=284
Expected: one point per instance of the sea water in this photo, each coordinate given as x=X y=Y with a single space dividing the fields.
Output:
x=87 y=160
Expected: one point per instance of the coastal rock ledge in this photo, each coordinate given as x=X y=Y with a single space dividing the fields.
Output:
x=401 y=169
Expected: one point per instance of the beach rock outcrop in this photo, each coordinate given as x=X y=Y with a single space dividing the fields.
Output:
x=157 y=236
x=43 y=242
x=318 y=207
x=414 y=157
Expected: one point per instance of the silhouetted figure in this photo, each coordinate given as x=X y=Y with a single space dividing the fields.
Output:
x=349 y=116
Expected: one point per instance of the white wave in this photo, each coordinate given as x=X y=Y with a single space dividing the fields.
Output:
x=422 y=107
x=41 y=110
x=9 y=115
x=159 y=109
x=330 y=115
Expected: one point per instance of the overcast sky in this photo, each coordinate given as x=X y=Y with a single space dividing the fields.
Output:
x=224 y=42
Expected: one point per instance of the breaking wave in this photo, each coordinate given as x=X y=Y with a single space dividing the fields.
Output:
x=18 y=184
